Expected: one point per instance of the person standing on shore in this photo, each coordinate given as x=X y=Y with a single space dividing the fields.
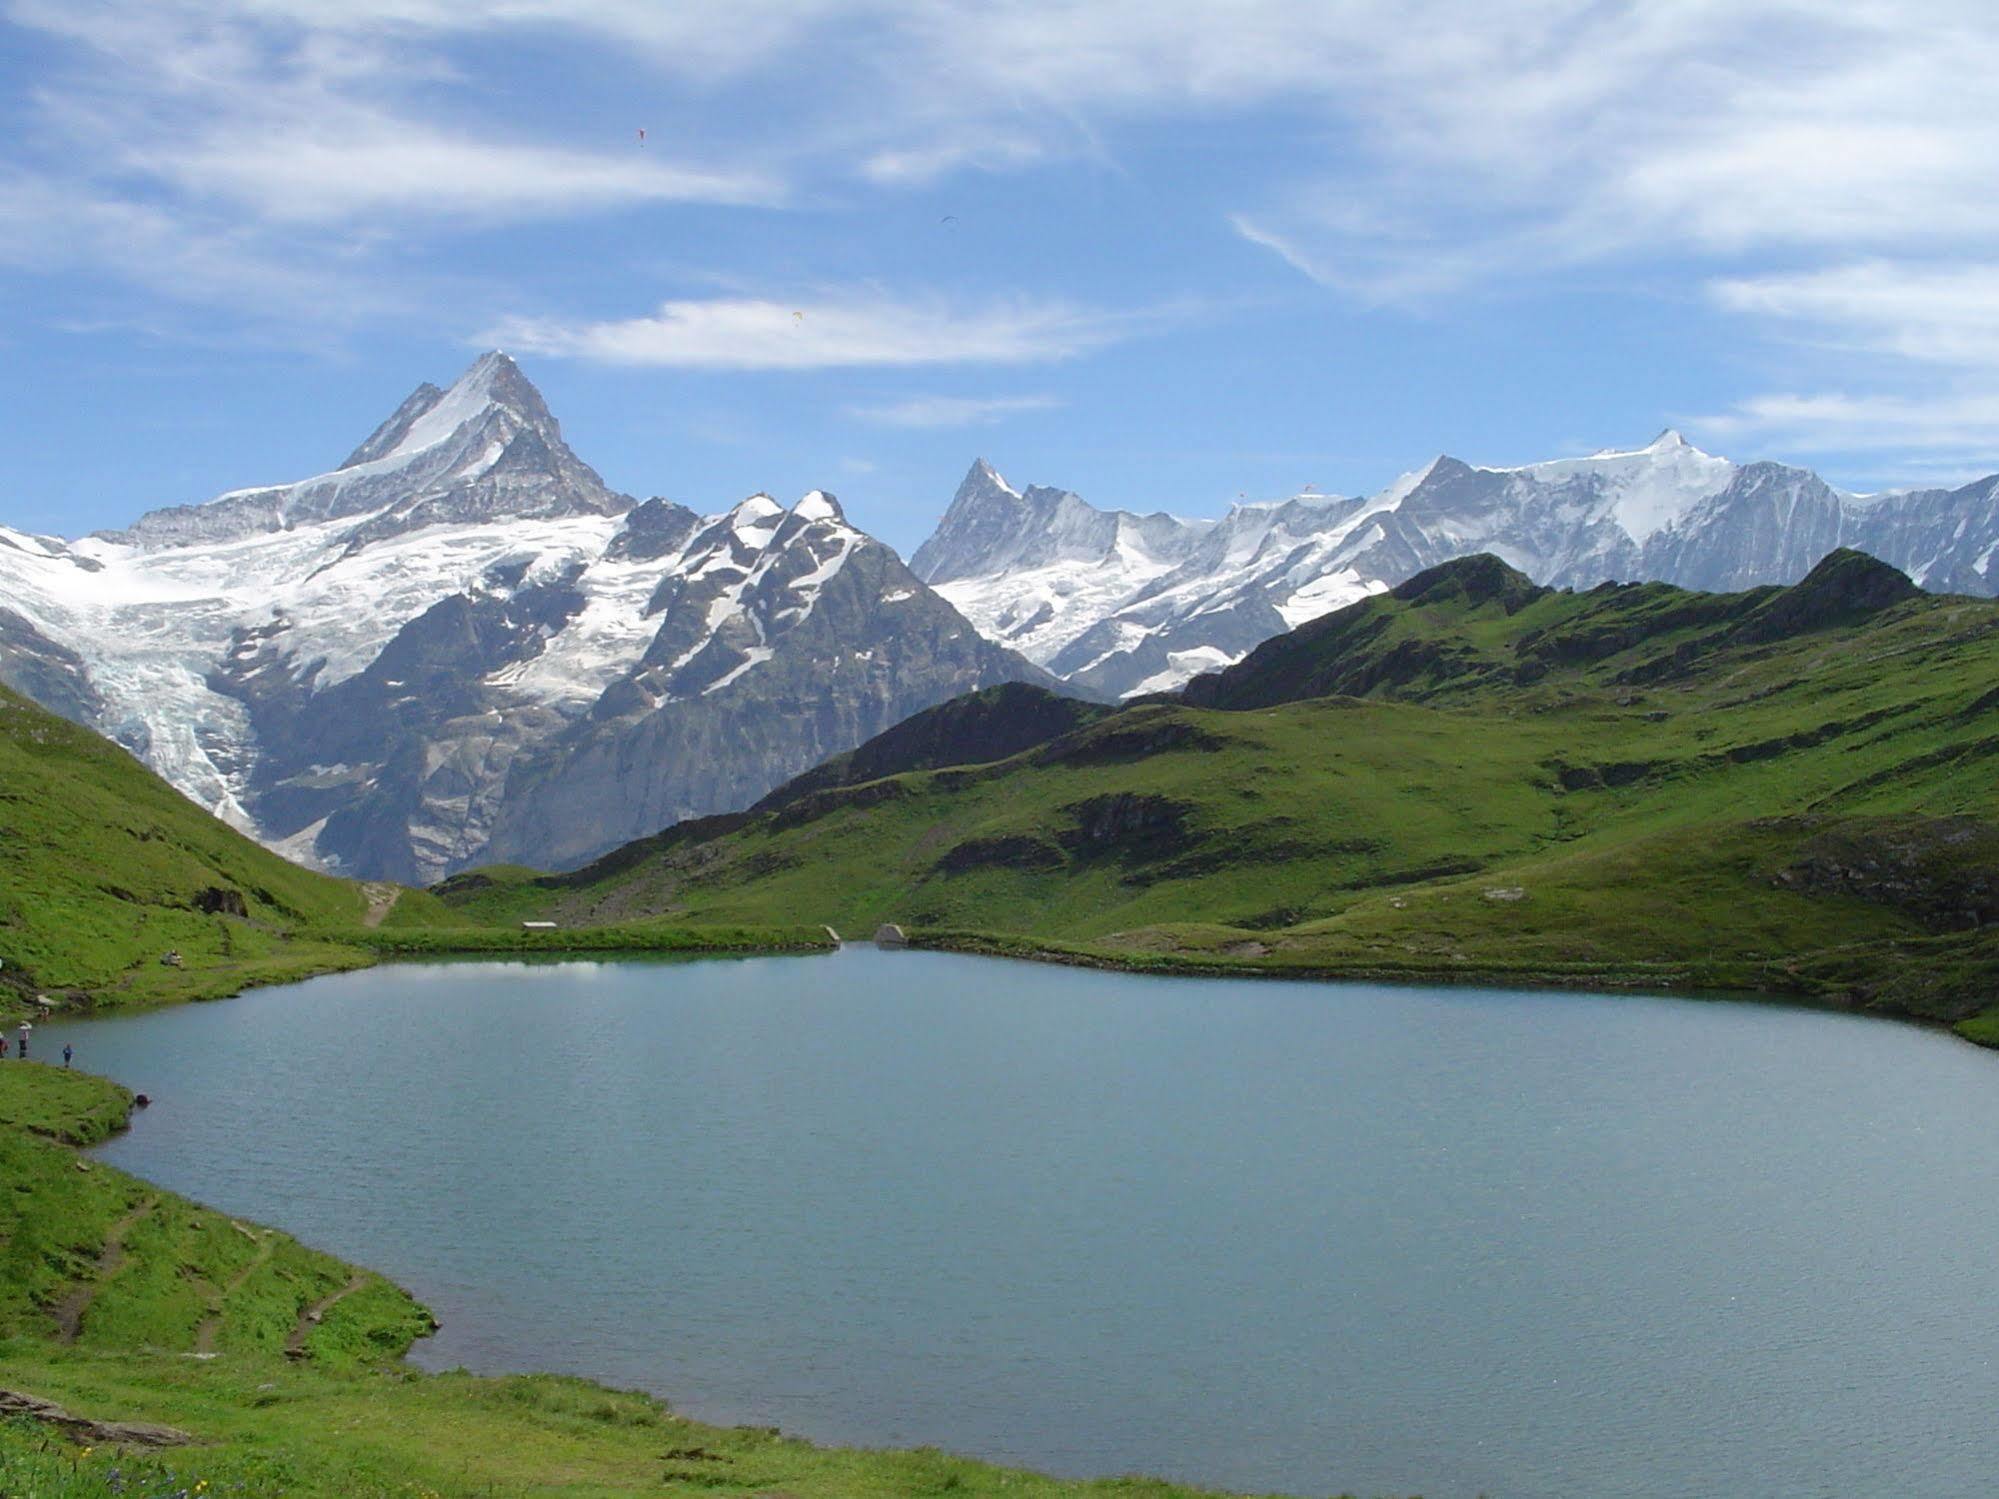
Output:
x=68 y=1051
x=25 y=1028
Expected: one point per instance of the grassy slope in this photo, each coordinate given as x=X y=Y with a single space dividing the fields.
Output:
x=1651 y=791
x=104 y=869
x=345 y=1418
x=102 y=865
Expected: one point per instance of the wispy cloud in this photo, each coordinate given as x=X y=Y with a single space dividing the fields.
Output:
x=1942 y=314
x=380 y=164
x=915 y=165
x=870 y=329
x=952 y=411
x=183 y=259
x=294 y=151
x=1915 y=347
x=282 y=163
x=306 y=127
x=1954 y=434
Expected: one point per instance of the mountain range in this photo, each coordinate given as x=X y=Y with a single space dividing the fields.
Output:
x=1777 y=789
x=1120 y=603
x=460 y=646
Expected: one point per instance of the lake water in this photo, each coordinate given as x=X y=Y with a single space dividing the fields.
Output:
x=1297 y=1237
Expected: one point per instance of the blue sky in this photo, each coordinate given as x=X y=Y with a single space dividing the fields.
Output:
x=1161 y=253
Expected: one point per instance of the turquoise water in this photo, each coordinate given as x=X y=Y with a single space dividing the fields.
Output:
x=1300 y=1237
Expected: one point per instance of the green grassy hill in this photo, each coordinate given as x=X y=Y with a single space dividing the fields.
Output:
x=1788 y=789
x=104 y=869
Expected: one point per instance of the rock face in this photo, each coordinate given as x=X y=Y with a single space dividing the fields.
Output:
x=827 y=640
x=53 y=675
x=1126 y=604
x=461 y=645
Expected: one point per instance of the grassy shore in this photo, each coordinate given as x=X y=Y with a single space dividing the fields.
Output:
x=629 y=937
x=120 y=1301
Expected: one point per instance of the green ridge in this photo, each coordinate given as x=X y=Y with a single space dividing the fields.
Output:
x=105 y=871
x=1787 y=790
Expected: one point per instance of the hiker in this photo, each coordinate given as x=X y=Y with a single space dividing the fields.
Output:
x=25 y=1028
x=68 y=1051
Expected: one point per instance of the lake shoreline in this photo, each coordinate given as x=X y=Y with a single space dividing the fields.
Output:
x=149 y=1383
x=621 y=1385
x=323 y=954
x=1720 y=984
x=1720 y=981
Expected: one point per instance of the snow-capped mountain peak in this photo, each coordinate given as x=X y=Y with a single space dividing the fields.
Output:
x=755 y=519
x=483 y=448
x=1643 y=490
x=819 y=506
x=494 y=385
x=365 y=667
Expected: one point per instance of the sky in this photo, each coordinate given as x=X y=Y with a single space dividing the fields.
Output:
x=1165 y=254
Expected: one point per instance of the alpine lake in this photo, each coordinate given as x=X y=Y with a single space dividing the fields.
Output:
x=1298 y=1237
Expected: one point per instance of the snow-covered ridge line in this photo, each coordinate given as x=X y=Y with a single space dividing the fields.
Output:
x=1045 y=571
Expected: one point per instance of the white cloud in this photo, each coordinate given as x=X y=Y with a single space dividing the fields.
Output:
x=747 y=333
x=919 y=164
x=49 y=226
x=1959 y=430
x=1933 y=314
x=952 y=411
x=1527 y=137
x=1706 y=123
x=1916 y=345
x=1424 y=147
x=382 y=165
x=324 y=129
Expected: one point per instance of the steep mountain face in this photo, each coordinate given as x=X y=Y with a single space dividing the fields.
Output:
x=462 y=642
x=1076 y=590
x=825 y=639
x=486 y=449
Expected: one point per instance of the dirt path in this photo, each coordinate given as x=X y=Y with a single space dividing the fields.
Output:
x=204 y=1336
x=382 y=899
x=69 y=1311
x=313 y=1315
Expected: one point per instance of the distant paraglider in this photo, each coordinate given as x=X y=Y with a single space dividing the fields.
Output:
x=642 y=135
